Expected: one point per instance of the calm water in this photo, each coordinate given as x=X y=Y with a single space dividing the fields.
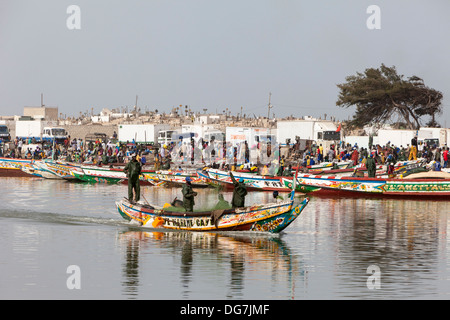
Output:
x=48 y=225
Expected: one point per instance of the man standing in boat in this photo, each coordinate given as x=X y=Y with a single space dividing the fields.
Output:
x=239 y=193
x=188 y=195
x=371 y=166
x=133 y=170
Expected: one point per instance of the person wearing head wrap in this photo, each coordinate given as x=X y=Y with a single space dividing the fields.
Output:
x=133 y=170
x=222 y=204
x=390 y=162
x=239 y=193
x=188 y=195
x=371 y=166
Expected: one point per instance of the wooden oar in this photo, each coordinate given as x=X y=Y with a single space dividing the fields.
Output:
x=294 y=183
x=145 y=199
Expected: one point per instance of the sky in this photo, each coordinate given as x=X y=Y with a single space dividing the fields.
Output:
x=213 y=55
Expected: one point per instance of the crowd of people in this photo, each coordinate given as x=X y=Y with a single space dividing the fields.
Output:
x=101 y=152
x=382 y=155
x=267 y=158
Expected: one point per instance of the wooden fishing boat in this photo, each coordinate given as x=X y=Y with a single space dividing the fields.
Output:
x=97 y=174
x=424 y=186
x=12 y=167
x=328 y=166
x=51 y=169
x=252 y=181
x=178 y=178
x=401 y=166
x=272 y=217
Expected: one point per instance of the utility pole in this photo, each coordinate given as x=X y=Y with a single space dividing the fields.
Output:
x=269 y=107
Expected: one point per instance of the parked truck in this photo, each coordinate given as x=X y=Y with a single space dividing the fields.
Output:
x=40 y=131
x=5 y=136
x=140 y=133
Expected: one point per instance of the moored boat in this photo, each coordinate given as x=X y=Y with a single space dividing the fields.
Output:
x=425 y=186
x=252 y=181
x=97 y=174
x=360 y=169
x=178 y=178
x=53 y=169
x=12 y=167
x=328 y=166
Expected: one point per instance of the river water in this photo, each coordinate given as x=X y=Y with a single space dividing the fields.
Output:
x=65 y=240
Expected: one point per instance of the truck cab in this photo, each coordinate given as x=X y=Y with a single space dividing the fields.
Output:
x=56 y=134
x=4 y=133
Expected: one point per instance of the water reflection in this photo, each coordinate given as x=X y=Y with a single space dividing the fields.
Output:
x=407 y=240
x=222 y=257
x=324 y=254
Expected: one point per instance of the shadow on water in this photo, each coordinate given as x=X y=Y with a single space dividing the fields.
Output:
x=223 y=258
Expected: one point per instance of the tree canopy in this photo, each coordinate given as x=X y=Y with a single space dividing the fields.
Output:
x=381 y=96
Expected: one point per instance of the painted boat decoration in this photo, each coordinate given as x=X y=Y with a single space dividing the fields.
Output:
x=50 y=169
x=328 y=165
x=252 y=181
x=178 y=178
x=332 y=185
x=97 y=174
x=401 y=166
x=12 y=167
x=272 y=217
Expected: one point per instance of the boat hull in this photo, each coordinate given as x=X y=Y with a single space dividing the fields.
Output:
x=271 y=218
x=252 y=181
x=12 y=167
x=177 y=178
x=94 y=174
x=390 y=187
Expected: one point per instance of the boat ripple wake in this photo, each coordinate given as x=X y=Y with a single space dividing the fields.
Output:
x=59 y=218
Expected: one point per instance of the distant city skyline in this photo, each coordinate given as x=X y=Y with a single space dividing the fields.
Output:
x=212 y=55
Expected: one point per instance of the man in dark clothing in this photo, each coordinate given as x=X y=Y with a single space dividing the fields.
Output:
x=222 y=204
x=288 y=172
x=239 y=193
x=133 y=170
x=371 y=166
x=188 y=195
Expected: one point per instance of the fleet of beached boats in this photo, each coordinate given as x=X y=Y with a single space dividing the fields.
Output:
x=338 y=179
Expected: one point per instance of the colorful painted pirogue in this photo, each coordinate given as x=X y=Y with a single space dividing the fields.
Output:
x=252 y=181
x=12 y=167
x=178 y=178
x=53 y=169
x=381 y=170
x=279 y=183
x=272 y=217
x=434 y=187
x=97 y=174
x=329 y=165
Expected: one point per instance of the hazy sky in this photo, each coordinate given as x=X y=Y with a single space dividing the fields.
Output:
x=213 y=54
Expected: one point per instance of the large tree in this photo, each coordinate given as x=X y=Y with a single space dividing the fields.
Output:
x=382 y=96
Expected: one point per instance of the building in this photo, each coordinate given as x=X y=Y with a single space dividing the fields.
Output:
x=43 y=113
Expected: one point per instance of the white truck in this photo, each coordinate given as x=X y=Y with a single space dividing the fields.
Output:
x=41 y=131
x=429 y=136
x=5 y=136
x=320 y=131
x=140 y=133
x=434 y=136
